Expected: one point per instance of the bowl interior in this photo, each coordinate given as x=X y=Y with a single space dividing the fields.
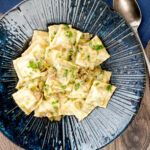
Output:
x=126 y=64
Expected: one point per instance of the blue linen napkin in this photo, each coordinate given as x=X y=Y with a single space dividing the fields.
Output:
x=144 y=30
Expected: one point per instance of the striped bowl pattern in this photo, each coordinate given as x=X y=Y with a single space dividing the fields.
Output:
x=126 y=63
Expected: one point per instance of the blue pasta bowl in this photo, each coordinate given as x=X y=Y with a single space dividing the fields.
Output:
x=126 y=64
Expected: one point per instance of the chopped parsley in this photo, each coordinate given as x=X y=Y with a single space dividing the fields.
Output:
x=108 y=88
x=102 y=71
x=68 y=34
x=77 y=86
x=96 y=47
x=88 y=58
x=78 y=50
x=41 y=64
x=71 y=50
x=70 y=57
x=97 y=84
x=55 y=32
x=32 y=81
x=33 y=65
x=55 y=102
x=74 y=43
x=73 y=76
x=66 y=73
x=55 y=108
x=51 y=118
x=66 y=26
x=50 y=94
x=63 y=87
x=54 y=68
x=90 y=44
x=42 y=51
x=72 y=82
x=72 y=69
x=46 y=86
x=83 y=36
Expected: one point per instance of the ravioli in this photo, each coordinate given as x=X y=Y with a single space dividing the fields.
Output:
x=36 y=49
x=25 y=67
x=100 y=94
x=91 y=54
x=84 y=38
x=49 y=108
x=81 y=88
x=26 y=100
x=100 y=74
x=41 y=36
x=38 y=44
x=73 y=107
x=60 y=74
x=52 y=32
x=66 y=37
x=66 y=71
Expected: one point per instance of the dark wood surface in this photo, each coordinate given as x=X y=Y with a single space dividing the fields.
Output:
x=136 y=137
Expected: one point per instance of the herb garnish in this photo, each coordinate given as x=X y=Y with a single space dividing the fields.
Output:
x=66 y=73
x=96 y=47
x=63 y=87
x=108 y=88
x=77 y=86
x=88 y=57
x=68 y=34
x=55 y=108
x=66 y=26
x=33 y=65
x=55 y=102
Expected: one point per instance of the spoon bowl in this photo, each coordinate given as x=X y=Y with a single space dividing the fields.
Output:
x=130 y=10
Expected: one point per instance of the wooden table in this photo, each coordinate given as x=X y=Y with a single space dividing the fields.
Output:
x=136 y=137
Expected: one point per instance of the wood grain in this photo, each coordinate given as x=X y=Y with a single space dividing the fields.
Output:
x=136 y=137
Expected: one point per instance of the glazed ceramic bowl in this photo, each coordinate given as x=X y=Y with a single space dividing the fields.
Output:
x=126 y=64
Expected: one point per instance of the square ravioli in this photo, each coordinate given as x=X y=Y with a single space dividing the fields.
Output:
x=26 y=100
x=52 y=56
x=41 y=36
x=100 y=74
x=81 y=87
x=66 y=37
x=86 y=57
x=97 y=45
x=85 y=37
x=36 y=83
x=52 y=30
x=91 y=54
x=26 y=67
x=100 y=93
x=60 y=74
x=49 y=107
x=66 y=71
x=52 y=85
x=38 y=44
x=36 y=49
x=73 y=107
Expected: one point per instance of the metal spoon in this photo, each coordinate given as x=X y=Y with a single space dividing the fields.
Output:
x=130 y=10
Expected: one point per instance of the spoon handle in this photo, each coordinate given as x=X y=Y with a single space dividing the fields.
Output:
x=146 y=58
